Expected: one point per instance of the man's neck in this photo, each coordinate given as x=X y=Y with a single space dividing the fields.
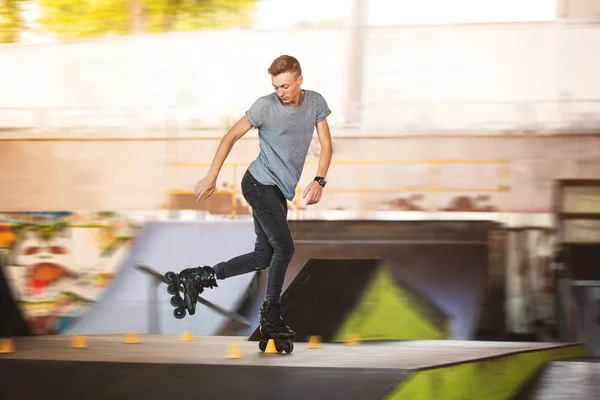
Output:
x=298 y=99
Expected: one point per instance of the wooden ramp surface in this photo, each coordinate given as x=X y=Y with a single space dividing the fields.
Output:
x=163 y=366
x=213 y=350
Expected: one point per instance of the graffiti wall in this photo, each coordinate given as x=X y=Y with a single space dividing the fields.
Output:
x=58 y=263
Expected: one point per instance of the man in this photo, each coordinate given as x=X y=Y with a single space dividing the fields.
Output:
x=286 y=120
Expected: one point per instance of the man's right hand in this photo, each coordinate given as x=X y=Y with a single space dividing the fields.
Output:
x=205 y=187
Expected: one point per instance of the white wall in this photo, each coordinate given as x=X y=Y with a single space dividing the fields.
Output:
x=482 y=76
x=478 y=78
x=420 y=78
x=208 y=76
x=139 y=174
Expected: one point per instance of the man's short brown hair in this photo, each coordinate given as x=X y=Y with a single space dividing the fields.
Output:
x=283 y=64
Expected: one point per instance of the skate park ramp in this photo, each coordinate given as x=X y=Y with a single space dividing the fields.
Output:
x=163 y=367
x=446 y=262
x=128 y=304
x=12 y=322
x=578 y=378
x=338 y=299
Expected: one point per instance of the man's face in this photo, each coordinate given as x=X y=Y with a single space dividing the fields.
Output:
x=287 y=86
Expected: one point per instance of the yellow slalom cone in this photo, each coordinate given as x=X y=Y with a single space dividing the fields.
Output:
x=7 y=346
x=353 y=340
x=234 y=351
x=271 y=349
x=79 y=342
x=132 y=338
x=314 y=342
x=186 y=336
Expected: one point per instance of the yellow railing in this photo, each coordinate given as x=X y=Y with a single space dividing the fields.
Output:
x=503 y=176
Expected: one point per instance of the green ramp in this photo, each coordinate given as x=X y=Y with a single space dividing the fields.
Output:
x=494 y=378
x=341 y=299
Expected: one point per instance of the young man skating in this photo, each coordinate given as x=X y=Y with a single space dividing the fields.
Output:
x=286 y=120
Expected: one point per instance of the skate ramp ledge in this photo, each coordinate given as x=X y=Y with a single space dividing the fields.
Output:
x=380 y=230
x=62 y=380
x=161 y=366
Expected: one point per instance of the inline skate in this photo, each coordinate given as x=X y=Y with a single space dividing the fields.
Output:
x=192 y=282
x=272 y=326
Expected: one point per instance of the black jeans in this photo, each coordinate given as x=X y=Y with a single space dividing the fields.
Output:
x=274 y=246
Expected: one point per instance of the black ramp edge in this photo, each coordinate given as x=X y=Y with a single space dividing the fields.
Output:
x=63 y=380
x=583 y=261
x=322 y=295
x=422 y=230
x=12 y=322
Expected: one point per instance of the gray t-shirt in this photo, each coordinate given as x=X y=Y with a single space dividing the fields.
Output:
x=285 y=133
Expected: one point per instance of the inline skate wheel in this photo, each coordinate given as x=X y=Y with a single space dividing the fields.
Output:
x=262 y=345
x=171 y=289
x=175 y=301
x=289 y=346
x=280 y=345
x=179 y=313
x=170 y=276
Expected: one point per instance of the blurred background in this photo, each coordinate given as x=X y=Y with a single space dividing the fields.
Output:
x=442 y=111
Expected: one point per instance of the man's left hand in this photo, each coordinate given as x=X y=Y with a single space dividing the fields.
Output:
x=312 y=193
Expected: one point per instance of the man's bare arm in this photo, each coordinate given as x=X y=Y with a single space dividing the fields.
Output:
x=326 y=148
x=313 y=192
x=239 y=129
x=206 y=186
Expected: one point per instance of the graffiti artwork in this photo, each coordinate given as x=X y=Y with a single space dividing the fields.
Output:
x=58 y=263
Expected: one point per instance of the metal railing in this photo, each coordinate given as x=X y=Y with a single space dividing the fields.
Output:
x=434 y=185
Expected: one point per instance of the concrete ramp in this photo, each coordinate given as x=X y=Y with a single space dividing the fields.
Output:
x=162 y=367
x=128 y=304
x=337 y=299
x=452 y=276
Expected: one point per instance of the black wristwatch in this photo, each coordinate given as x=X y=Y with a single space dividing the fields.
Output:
x=321 y=180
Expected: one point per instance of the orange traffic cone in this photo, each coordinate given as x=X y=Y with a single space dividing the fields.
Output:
x=7 y=346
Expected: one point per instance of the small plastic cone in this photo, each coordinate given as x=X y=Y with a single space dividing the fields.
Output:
x=314 y=342
x=132 y=338
x=234 y=351
x=271 y=349
x=187 y=336
x=79 y=342
x=352 y=340
x=7 y=346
